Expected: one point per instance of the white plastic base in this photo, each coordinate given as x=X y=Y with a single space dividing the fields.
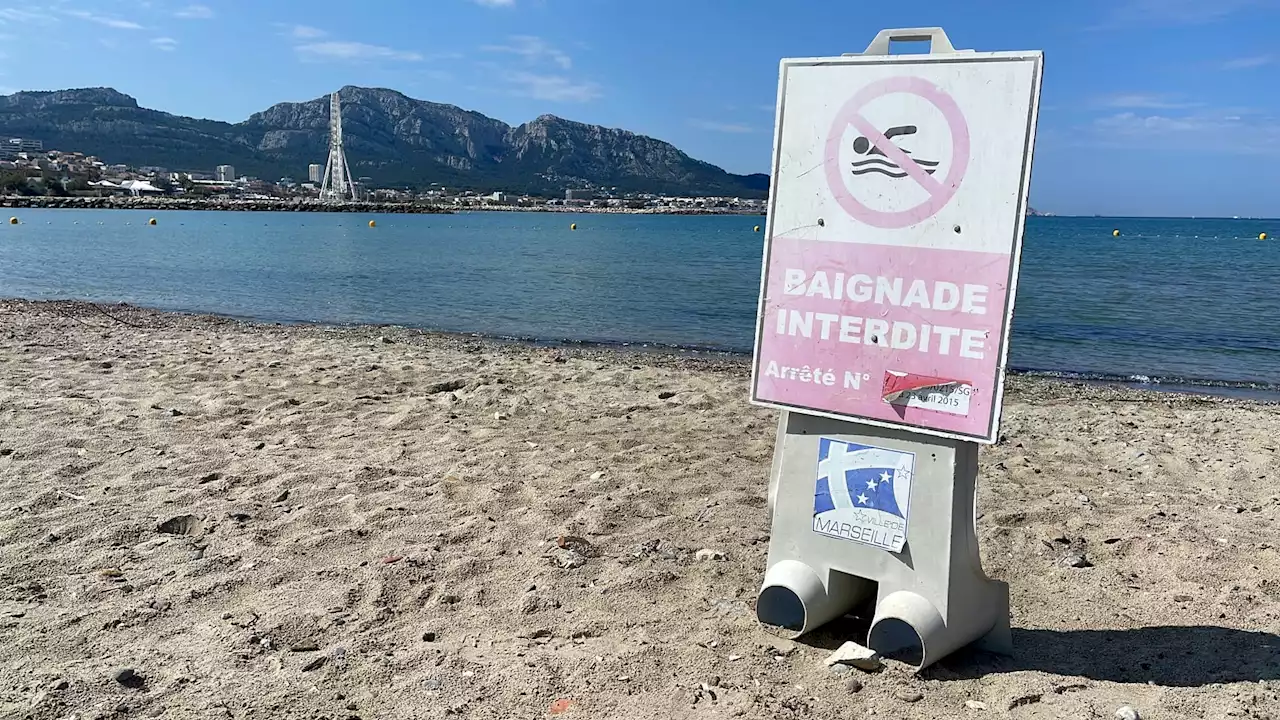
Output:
x=932 y=598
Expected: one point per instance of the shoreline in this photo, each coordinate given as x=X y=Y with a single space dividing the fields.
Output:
x=41 y=202
x=212 y=518
x=656 y=354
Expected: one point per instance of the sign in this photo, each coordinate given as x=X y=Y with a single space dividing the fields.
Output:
x=862 y=493
x=896 y=214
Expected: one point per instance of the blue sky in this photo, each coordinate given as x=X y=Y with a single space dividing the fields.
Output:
x=1150 y=107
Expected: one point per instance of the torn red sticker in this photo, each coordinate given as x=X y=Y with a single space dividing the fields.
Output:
x=927 y=392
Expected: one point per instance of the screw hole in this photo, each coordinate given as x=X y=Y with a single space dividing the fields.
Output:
x=822 y=223
x=957 y=229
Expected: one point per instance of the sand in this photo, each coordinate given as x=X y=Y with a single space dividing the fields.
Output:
x=262 y=521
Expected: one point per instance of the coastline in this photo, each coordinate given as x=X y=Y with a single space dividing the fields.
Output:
x=665 y=355
x=310 y=205
x=263 y=519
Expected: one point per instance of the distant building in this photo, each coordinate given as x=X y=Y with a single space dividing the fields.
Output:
x=315 y=173
x=498 y=197
x=225 y=173
x=18 y=145
x=578 y=194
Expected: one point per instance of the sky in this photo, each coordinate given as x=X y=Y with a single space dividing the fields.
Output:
x=1149 y=107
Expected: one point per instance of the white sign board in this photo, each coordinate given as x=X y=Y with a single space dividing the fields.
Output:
x=896 y=213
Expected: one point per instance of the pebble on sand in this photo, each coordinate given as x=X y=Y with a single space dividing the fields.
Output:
x=1127 y=713
x=1076 y=560
x=851 y=653
x=129 y=678
x=709 y=554
x=181 y=525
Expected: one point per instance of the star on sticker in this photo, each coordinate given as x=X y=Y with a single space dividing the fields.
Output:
x=863 y=499
x=871 y=484
x=884 y=477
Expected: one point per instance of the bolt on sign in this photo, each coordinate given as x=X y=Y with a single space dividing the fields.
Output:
x=895 y=224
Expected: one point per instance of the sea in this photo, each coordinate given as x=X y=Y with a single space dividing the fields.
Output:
x=1173 y=303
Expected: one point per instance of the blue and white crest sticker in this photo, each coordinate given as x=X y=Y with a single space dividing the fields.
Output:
x=862 y=493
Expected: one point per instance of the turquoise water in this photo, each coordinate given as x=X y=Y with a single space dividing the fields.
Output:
x=1171 y=301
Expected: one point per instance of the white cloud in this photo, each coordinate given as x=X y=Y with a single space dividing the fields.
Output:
x=533 y=50
x=195 y=12
x=1248 y=63
x=104 y=20
x=721 y=127
x=167 y=44
x=1145 y=101
x=14 y=15
x=556 y=88
x=339 y=50
x=495 y=3
x=306 y=32
x=1241 y=134
x=1175 y=12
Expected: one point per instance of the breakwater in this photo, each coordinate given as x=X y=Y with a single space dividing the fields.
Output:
x=308 y=205
x=166 y=203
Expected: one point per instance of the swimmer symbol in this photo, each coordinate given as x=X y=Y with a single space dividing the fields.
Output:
x=876 y=161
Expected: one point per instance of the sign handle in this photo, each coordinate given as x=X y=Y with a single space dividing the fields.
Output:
x=939 y=44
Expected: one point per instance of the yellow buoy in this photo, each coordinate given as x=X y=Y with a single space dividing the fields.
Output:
x=13 y=221
x=755 y=229
x=1115 y=233
x=1262 y=236
x=373 y=224
x=152 y=221
x=573 y=226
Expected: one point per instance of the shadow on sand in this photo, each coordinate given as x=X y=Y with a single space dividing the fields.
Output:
x=1187 y=656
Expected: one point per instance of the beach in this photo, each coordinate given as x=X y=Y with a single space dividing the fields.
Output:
x=207 y=518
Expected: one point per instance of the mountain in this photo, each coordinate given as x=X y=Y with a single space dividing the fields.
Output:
x=389 y=137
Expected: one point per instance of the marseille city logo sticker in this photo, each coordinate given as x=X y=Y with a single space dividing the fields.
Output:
x=862 y=493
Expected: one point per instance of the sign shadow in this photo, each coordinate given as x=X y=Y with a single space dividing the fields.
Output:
x=1168 y=656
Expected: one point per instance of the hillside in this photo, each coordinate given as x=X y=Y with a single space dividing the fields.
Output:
x=391 y=138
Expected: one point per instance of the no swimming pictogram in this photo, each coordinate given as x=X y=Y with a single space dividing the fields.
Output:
x=896 y=163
